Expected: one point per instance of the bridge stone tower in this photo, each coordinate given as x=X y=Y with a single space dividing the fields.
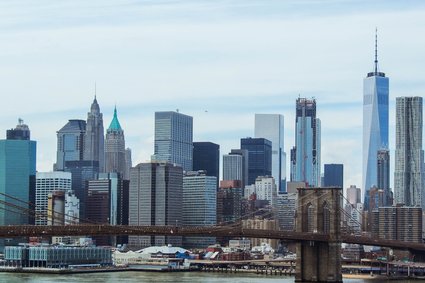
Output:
x=319 y=212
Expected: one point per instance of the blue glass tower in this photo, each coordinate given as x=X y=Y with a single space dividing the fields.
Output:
x=17 y=176
x=375 y=124
x=306 y=154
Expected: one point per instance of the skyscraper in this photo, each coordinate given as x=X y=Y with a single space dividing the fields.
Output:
x=271 y=127
x=115 y=147
x=233 y=168
x=174 y=139
x=70 y=146
x=94 y=136
x=375 y=124
x=128 y=163
x=155 y=199
x=105 y=197
x=334 y=175
x=17 y=177
x=383 y=171
x=199 y=206
x=206 y=156
x=305 y=155
x=259 y=157
x=409 y=155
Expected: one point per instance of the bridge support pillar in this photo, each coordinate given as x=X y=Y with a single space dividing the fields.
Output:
x=319 y=212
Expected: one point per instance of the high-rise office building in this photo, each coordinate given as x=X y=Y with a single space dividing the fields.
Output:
x=155 y=199
x=306 y=154
x=229 y=202
x=94 y=136
x=115 y=148
x=82 y=171
x=383 y=172
x=400 y=223
x=46 y=183
x=199 y=206
x=271 y=127
x=353 y=210
x=206 y=156
x=375 y=124
x=105 y=197
x=232 y=167
x=70 y=145
x=334 y=175
x=259 y=157
x=128 y=163
x=17 y=177
x=174 y=139
x=409 y=154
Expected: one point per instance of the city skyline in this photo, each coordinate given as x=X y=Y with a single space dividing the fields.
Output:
x=233 y=61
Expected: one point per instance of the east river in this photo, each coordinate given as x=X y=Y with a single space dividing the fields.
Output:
x=140 y=277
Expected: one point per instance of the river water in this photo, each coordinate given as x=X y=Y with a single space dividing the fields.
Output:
x=157 y=277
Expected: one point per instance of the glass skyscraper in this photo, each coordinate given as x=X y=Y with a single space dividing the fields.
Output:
x=305 y=155
x=206 y=156
x=17 y=178
x=199 y=206
x=271 y=127
x=409 y=155
x=375 y=125
x=70 y=146
x=333 y=175
x=174 y=139
x=259 y=157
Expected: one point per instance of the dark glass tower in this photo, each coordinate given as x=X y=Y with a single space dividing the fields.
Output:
x=259 y=157
x=334 y=175
x=206 y=156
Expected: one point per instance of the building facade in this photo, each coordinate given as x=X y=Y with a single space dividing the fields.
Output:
x=94 y=136
x=271 y=127
x=375 y=124
x=155 y=199
x=70 y=144
x=409 y=154
x=333 y=175
x=174 y=139
x=206 y=156
x=199 y=206
x=229 y=201
x=383 y=174
x=17 y=177
x=115 y=154
x=259 y=157
x=306 y=154
x=46 y=183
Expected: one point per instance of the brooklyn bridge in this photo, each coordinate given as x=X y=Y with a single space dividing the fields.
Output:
x=318 y=234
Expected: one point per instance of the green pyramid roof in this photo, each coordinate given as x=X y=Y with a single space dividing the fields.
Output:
x=115 y=124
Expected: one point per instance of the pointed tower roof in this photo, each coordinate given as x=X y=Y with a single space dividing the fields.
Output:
x=95 y=106
x=115 y=124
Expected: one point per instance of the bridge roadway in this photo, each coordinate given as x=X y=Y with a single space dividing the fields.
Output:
x=208 y=231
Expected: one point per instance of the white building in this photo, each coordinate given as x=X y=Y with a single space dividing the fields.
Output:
x=47 y=182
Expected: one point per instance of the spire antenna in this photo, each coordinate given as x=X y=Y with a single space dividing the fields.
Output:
x=376 y=50
x=95 y=90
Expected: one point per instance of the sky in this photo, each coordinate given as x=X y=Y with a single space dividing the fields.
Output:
x=220 y=61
